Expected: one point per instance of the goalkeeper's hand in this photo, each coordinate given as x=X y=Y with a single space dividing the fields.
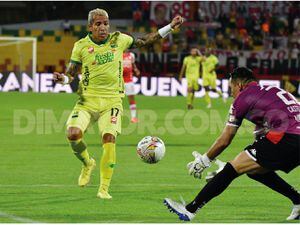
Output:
x=197 y=166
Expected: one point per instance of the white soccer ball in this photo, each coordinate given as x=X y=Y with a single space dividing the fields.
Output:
x=151 y=149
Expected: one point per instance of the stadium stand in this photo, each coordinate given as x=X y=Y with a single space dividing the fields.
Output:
x=242 y=27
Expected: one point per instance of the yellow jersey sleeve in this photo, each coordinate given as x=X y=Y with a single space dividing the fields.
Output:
x=200 y=59
x=76 y=53
x=216 y=60
x=125 y=41
x=213 y=63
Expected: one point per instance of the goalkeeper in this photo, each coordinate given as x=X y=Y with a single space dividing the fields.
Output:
x=98 y=57
x=275 y=113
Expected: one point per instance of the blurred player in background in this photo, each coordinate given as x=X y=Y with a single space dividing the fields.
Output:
x=130 y=68
x=191 y=69
x=275 y=113
x=209 y=76
x=99 y=58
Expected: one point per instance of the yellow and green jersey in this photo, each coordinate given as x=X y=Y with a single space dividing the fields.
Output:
x=102 y=67
x=192 y=65
x=209 y=65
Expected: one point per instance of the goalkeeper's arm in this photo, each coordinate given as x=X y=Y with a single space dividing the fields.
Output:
x=222 y=142
x=72 y=70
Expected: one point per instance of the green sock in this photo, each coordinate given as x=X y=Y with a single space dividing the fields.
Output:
x=190 y=98
x=207 y=98
x=220 y=93
x=80 y=151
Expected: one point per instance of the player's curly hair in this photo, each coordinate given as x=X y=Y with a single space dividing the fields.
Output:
x=243 y=74
x=94 y=12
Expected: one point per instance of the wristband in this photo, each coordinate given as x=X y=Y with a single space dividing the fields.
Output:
x=66 y=80
x=164 y=31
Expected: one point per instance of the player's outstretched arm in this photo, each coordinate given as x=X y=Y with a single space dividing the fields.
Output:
x=72 y=70
x=182 y=71
x=161 y=33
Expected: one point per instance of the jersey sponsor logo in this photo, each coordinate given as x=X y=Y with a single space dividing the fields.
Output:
x=113 y=45
x=104 y=58
x=297 y=118
x=114 y=119
x=253 y=152
x=85 y=81
x=91 y=49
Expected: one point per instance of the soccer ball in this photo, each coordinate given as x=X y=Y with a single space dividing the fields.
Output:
x=151 y=149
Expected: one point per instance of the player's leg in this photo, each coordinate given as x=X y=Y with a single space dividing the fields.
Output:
x=241 y=164
x=276 y=183
x=190 y=94
x=133 y=108
x=280 y=156
x=205 y=83
x=207 y=97
x=76 y=125
x=109 y=126
x=107 y=164
x=213 y=86
x=129 y=90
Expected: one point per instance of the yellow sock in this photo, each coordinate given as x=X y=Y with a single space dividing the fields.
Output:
x=220 y=93
x=107 y=163
x=80 y=151
x=190 y=98
x=207 y=98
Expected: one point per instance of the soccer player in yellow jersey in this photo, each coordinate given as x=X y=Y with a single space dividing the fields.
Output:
x=98 y=57
x=191 y=69
x=209 y=76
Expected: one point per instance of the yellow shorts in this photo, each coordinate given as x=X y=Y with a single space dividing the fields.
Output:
x=192 y=82
x=107 y=112
x=210 y=80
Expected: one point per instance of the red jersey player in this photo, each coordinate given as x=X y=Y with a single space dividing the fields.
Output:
x=129 y=68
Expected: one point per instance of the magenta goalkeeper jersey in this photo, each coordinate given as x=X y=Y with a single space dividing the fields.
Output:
x=267 y=107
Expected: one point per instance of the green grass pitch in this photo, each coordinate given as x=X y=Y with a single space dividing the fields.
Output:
x=38 y=172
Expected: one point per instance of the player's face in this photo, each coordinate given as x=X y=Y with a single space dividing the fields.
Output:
x=99 y=28
x=193 y=52
x=235 y=88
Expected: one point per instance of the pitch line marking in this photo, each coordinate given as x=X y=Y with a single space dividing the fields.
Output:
x=93 y=185
x=17 y=218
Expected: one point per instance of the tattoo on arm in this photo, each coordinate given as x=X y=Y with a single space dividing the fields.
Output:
x=146 y=40
x=73 y=69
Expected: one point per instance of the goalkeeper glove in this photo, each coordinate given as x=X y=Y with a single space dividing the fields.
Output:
x=197 y=166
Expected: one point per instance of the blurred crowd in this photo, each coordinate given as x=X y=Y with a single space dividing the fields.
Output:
x=239 y=29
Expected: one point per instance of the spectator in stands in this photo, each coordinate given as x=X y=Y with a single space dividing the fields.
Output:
x=137 y=19
x=295 y=52
x=220 y=40
x=145 y=7
x=160 y=12
x=66 y=25
x=190 y=35
x=166 y=45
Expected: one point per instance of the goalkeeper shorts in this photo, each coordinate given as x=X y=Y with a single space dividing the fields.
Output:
x=285 y=155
